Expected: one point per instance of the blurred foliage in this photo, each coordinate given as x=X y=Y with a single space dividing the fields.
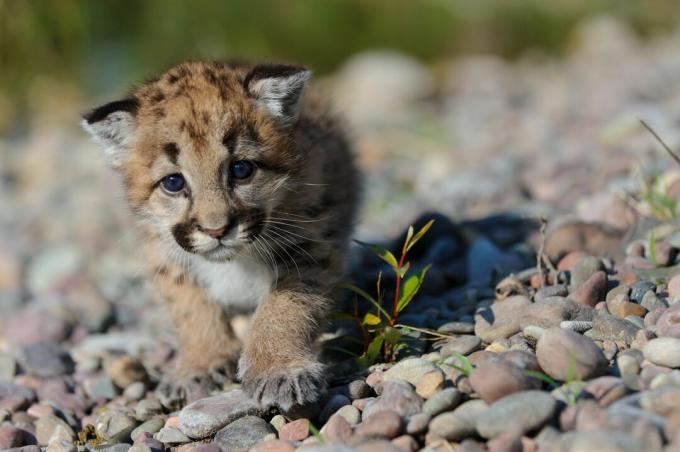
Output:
x=101 y=45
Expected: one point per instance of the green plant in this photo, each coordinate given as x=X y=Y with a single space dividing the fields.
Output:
x=382 y=335
x=316 y=433
x=572 y=386
x=464 y=365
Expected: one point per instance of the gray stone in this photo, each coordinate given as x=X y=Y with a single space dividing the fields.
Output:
x=550 y=312
x=8 y=366
x=584 y=269
x=171 y=435
x=460 y=423
x=396 y=396
x=411 y=370
x=457 y=328
x=101 y=387
x=350 y=413
x=664 y=351
x=444 y=400
x=502 y=319
x=417 y=423
x=242 y=434
x=517 y=413
x=135 y=391
x=564 y=354
x=651 y=301
x=150 y=426
x=640 y=289
x=464 y=345
x=333 y=405
x=557 y=290
x=51 y=428
x=607 y=327
x=600 y=440
x=148 y=408
x=115 y=423
x=46 y=359
x=204 y=417
x=61 y=446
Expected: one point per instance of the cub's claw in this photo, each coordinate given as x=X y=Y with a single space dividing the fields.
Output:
x=286 y=387
x=175 y=391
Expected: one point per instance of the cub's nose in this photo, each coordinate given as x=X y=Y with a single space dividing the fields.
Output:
x=215 y=233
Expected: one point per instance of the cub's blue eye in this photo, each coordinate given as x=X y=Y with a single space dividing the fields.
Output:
x=173 y=183
x=241 y=169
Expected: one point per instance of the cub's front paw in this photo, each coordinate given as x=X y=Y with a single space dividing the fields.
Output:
x=283 y=385
x=183 y=387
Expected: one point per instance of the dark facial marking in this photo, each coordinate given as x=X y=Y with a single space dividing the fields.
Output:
x=229 y=139
x=181 y=233
x=172 y=152
x=255 y=220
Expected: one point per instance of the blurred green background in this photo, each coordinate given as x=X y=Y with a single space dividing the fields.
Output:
x=106 y=44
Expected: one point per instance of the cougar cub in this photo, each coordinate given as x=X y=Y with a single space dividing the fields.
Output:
x=246 y=193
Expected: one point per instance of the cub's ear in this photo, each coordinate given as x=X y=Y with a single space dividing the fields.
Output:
x=278 y=88
x=112 y=126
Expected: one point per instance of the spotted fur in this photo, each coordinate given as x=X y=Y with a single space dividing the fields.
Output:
x=274 y=242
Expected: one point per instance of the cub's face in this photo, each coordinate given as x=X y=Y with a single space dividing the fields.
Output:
x=206 y=153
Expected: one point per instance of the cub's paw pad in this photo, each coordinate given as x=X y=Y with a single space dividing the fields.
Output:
x=286 y=387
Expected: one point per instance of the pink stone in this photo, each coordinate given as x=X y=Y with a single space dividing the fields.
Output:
x=296 y=430
x=592 y=291
x=272 y=445
x=337 y=429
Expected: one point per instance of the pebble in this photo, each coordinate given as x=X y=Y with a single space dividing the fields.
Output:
x=502 y=319
x=604 y=440
x=495 y=380
x=242 y=433
x=517 y=413
x=460 y=423
x=10 y=436
x=650 y=301
x=557 y=290
x=148 y=408
x=296 y=430
x=674 y=288
x=405 y=443
x=350 y=413
x=410 y=369
x=358 y=389
x=114 y=423
x=171 y=435
x=464 y=344
x=271 y=445
x=592 y=290
x=8 y=366
x=204 y=417
x=417 y=423
x=640 y=289
x=627 y=365
x=396 y=396
x=668 y=323
x=386 y=424
x=51 y=428
x=278 y=421
x=608 y=327
x=457 y=328
x=578 y=326
x=584 y=269
x=150 y=426
x=46 y=359
x=429 y=384
x=336 y=429
x=551 y=311
x=564 y=354
x=135 y=391
x=444 y=400
x=664 y=351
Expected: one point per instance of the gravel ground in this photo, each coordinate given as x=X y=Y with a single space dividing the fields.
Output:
x=579 y=355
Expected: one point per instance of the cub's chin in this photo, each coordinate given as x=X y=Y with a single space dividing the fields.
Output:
x=221 y=253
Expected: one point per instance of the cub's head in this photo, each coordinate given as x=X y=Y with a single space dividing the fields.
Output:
x=206 y=151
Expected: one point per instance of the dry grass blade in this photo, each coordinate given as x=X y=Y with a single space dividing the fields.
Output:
x=661 y=141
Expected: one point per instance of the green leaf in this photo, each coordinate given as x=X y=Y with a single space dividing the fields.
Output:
x=371 y=319
x=409 y=236
x=392 y=335
x=372 y=352
x=362 y=293
x=402 y=271
x=543 y=377
x=410 y=288
x=419 y=235
x=382 y=253
x=465 y=366
x=317 y=434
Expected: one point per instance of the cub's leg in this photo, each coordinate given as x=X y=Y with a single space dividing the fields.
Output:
x=278 y=365
x=208 y=348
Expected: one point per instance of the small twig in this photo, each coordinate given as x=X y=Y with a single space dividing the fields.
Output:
x=426 y=331
x=661 y=141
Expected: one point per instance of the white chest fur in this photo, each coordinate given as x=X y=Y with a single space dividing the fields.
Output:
x=239 y=284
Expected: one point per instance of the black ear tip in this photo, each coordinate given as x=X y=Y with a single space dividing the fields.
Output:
x=129 y=105
x=262 y=71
